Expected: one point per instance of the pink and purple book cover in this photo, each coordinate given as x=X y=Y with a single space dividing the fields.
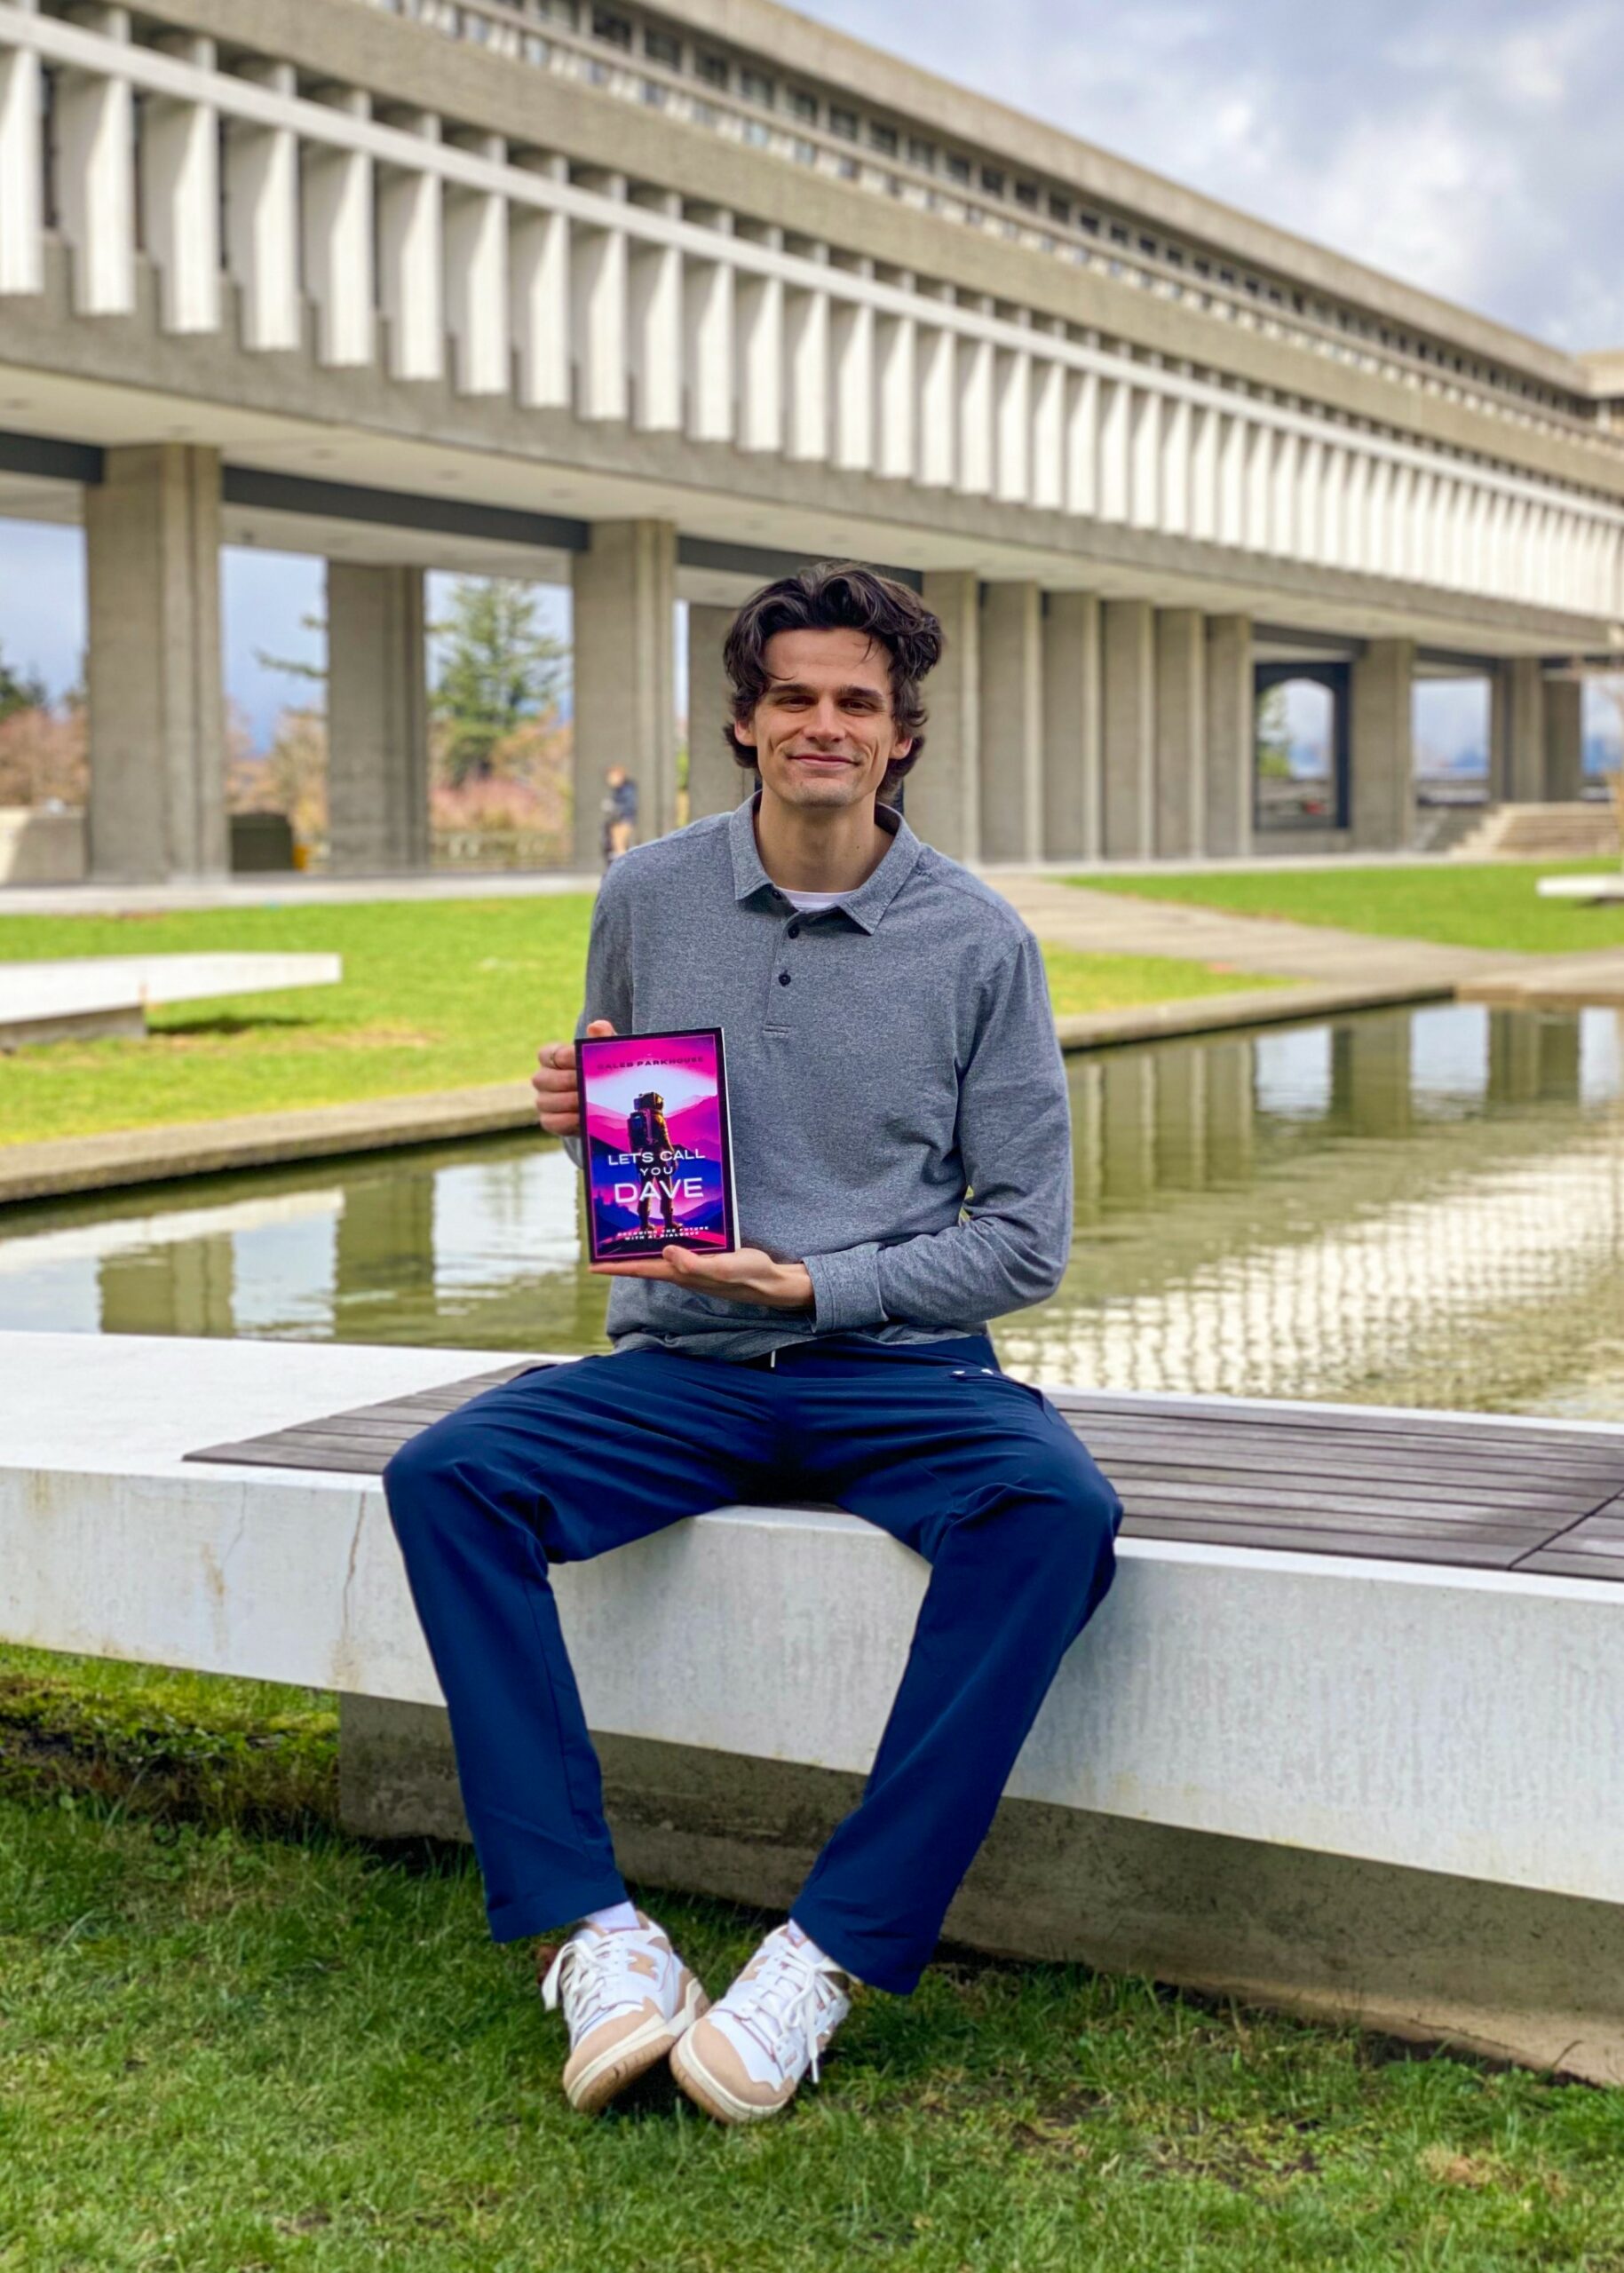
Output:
x=657 y=1154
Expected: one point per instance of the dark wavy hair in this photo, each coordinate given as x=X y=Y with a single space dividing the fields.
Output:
x=836 y=596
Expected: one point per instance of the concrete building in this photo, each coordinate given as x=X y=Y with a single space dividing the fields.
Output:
x=658 y=300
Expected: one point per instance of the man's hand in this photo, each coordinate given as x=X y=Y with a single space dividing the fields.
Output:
x=558 y=1106
x=749 y=1275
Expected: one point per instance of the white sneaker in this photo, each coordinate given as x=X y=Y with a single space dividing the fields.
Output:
x=627 y=1998
x=745 y=2059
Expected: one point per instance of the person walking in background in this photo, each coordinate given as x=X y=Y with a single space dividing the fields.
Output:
x=619 y=814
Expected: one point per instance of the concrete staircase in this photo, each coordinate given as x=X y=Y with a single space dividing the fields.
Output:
x=1575 y=831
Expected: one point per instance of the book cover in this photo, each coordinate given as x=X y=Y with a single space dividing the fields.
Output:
x=655 y=1144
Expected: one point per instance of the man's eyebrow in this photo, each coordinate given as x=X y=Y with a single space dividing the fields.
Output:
x=801 y=686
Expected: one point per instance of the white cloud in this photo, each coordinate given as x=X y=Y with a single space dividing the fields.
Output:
x=1469 y=145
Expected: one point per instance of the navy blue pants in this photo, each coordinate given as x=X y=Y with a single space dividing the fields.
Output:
x=976 y=1472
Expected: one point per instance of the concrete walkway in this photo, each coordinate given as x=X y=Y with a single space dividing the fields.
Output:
x=296 y=889
x=1065 y=915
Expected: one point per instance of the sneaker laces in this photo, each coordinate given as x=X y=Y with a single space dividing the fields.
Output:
x=789 y=1997
x=584 y=1973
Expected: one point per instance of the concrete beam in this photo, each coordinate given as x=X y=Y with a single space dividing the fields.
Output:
x=377 y=766
x=1071 y=702
x=157 y=725
x=1232 y=753
x=1129 y=652
x=1011 y=722
x=624 y=690
x=1181 y=732
x=716 y=781
x=1383 y=790
x=942 y=795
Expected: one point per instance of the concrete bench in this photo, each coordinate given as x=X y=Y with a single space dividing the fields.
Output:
x=89 y=996
x=1376 y=1789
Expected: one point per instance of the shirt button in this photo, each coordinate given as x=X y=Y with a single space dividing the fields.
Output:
x=783 y=979
x=794 y=932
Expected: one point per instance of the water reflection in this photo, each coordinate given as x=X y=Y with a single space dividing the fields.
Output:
x=1422 y=1207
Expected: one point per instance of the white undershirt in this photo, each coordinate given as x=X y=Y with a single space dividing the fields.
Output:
x=808 y=903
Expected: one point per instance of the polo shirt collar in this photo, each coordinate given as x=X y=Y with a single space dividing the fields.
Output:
x=865 y=906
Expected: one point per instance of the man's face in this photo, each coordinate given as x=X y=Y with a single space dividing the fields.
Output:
x=823 y=731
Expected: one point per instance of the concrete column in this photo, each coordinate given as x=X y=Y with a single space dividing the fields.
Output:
x=1563 y=752
x=942 y=795
x=378 y=736
x=1011 y=722
x=1181 y=732
x=1127 y=647
x=1518 y=723
x=152 y=531
x=716 y=781
x=625 y=700
x=1231 y=734
x=1382 y=791
x=1071 y=727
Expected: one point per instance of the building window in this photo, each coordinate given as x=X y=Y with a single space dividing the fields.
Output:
x=756 y=87
x=921 y=153
x=711 y=68
x=843 y=123
x=1148 y=245
x=654 y=94
x=1059 y=209
x=1202 y=267
x=801 y=104
x=992 y=181
x=615 y=30
x=1026 y=193
x=805 y=154
x=663 y=47
x=1089 y=223
x=1175 y=258
x=1119 y=234
x=958 y=169
x=882 y=138
x=846 y=168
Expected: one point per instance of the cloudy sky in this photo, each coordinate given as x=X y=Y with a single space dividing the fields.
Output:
x=1474 y=147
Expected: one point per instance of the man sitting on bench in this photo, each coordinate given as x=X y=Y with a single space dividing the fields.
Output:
x=902 y=1147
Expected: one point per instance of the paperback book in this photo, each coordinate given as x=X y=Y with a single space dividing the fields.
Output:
x=655 y=1144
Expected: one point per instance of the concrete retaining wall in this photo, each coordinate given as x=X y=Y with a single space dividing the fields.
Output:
x=1507 y=1972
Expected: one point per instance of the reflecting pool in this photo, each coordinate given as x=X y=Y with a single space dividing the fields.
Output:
x=1420 y=1208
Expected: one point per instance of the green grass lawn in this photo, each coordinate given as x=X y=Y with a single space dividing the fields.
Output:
x=230 y=2038
x=1456 y=903
x=436 y=995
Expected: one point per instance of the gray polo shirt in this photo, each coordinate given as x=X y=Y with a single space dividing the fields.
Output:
x=899 y=1115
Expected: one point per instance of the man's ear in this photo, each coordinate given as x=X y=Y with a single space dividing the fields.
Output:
x=902 y=749
x=742 y=733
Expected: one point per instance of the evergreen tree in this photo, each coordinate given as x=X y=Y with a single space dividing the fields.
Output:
x=21 y=691
x=1273 y=736
x=498 y=669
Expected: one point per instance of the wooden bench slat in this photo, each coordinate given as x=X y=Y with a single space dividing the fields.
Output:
x=1439 y=1492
